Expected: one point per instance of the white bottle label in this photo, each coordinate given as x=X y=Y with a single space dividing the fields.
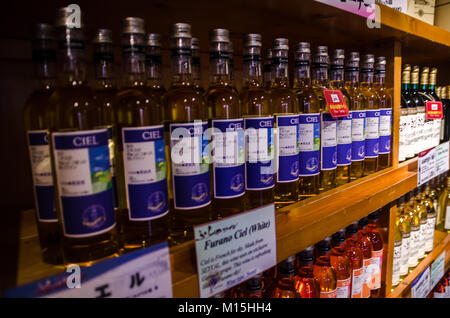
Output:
x=403 y=137
x=343 y=288
x=414 y=247
x=404 y=262
x=422 y=238
x=396 y=263
x=357 y=282
x=429 y=235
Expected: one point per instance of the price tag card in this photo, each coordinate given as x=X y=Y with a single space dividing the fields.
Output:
x=336 y=103
x=427 y=166
x=420 y=287
x=141 y=274
x=434 y=110
x=437 y=270
x=364 y=8
x=235 y=249
x=442 y=158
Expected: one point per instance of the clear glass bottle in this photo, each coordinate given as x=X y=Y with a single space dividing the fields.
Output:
x=153 y=65
x=267 y=69
x=436 y=125
x=384 y=151
x=444 y=202
x=285 y=111
x=412 y=114
x=328 y=125
x=323 y=271
x=358 y=113
x=414 y=219
x=376 y=239
x=285 y=284
x=196 y=67
x=259 y=126
x=344 y=124
x=398 y=250
x=421 y=134
x=341 y=263
x=305 y=282
x=253 y=287
x=142 y=173
x=105 y=90
x=185 y=127
x=356 y=258
x=309 y=123
x=367 y=250
x=405 y=228
x=427 y=199
x=372 y=115
x=80 y=156
x=36 y=125
x=228 y=131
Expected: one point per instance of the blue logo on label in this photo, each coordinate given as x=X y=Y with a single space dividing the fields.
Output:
x=200 y=192
x=157 y=202
x=294 y=169
x=94 y=216
x=237 y=183
x=312 y=164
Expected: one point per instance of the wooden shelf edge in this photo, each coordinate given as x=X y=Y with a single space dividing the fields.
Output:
x=441 y=244
x=412 y=26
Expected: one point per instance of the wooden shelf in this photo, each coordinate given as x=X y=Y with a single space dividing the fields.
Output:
x=297 y=226
x=441 y=244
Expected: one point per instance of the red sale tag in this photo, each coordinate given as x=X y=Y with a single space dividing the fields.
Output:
x=336 y=103
x=434 y=110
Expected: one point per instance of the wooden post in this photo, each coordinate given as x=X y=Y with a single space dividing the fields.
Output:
x=397 y=68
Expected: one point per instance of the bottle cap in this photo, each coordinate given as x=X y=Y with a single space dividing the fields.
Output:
x=363 y=222
x=254 y=283
x=43 y=31
x=352 y=228
x=181 y=30
x=154 y=39
x=103 y=36
x=280 y=44
x=287 y=266
x=324 y=245
x=252 y=39
x=448 y=181
x=369 y=58
x=307 y=255
x=303 y=47
x=339 y=54
x=321 y=51
x=219 y=35
x=380 y=63
x=339 y=236
x=133 y=25
x=374 y=215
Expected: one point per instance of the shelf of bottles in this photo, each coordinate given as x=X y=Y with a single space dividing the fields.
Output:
x=116 y=169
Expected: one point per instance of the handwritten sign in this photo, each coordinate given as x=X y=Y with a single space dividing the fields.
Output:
x=442 y=158
x=437 y=270
x=364 y=8
x=336 y=103
x=141 y=274
x=420 y=287
x=235 y=249
x=434 y=110
x=427 y=166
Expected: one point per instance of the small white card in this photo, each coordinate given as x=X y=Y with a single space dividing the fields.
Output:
x=235 y=249
x=437 y=269
x=442 y=158
x=427 y=166
x=141 y=274
x=420 y=287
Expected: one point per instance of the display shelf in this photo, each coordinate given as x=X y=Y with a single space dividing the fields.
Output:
x=441 y=244
x=297 y=226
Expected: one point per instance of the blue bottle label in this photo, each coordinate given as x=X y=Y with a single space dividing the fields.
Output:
x=259 y=145
x=287 y=148
x=309 y=157
x=358 y=134
x=84 y=182
x=145 y=172
x=344 y=141
x=328 y=142
x=385 y=130
x=41 y=170
x=190 y=165
x=372 y=132
x=228 y=158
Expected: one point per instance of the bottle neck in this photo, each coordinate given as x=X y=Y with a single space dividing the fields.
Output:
x=196 y=70
x=302 y=73
x=367 y=76
x=133 y=60
x=71 y=58
x=414 y=87
x=220 y=68
x=252 y=76
x=380 y=78
x=45 y=71
x=320 y=74
x=104 y=66
x=181 y=64
x=337 y=74
x=279 y=69
x=352 y=76
x=153 y=66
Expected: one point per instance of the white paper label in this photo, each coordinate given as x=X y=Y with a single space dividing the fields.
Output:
x=429 y=233
x=396 y=263
x=234 y=249
x=442 y=158
x=427 y=166
x=420 y=287
x=437 y=269
x=404 y=262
